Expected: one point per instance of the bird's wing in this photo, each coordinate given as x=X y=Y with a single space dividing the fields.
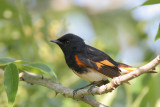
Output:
x=98 y=61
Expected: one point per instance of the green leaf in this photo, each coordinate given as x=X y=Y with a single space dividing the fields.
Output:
x=11 y=80
x=158 y=34
x=6 y=61
x=150 y=2
x=37 y=68
x=44 y=68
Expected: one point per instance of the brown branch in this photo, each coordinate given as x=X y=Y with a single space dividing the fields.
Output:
x=81 y=94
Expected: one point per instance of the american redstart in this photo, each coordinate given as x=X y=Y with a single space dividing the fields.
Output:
x=88 y=62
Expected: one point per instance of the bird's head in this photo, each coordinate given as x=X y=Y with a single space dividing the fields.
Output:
x=70 y=43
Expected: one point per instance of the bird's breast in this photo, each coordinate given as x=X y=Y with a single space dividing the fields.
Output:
x=91 y=75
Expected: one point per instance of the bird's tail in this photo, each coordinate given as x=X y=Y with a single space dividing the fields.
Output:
x=126 y=68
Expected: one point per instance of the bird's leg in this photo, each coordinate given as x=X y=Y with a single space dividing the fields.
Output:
x=90 y=89
x=75 y=91
x=99 y=83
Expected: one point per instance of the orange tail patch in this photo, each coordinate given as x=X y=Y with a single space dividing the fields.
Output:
x=125 y=68
x=128 y=68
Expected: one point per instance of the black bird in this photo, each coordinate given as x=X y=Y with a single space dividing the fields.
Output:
x=88 y=62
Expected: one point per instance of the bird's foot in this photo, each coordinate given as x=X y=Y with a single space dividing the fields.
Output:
x=91 y=89
x=76 y=90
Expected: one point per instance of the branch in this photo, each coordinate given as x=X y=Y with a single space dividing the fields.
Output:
x=117 y=81
x=58 y=88
x=81 y=94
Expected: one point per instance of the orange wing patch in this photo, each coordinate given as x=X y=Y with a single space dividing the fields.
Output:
x=79 y=62
x=106 y=62
x=99 y=65
x=102 y=63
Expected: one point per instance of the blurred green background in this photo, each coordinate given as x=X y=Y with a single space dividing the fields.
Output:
x=125 y=29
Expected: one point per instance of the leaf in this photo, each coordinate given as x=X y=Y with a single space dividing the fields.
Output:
x=5 y=61
x=150 y=2
x=37 y=68
x=158 y=34
x=30 y=67
x=45 y=68
x=11 y=80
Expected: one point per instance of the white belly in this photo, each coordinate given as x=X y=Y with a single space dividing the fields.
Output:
x=92 y=76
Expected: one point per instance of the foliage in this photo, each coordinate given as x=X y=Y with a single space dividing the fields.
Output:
x=11 y=75
x=158 y=34
x=27 y=26
x=11 y=80
x=150 y=2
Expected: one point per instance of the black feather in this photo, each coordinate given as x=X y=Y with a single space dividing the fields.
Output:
x=73 y=45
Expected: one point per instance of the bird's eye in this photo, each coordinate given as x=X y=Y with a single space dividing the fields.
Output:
x=67 y=42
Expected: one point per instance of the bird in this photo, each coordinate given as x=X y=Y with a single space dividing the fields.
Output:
x=89 y=63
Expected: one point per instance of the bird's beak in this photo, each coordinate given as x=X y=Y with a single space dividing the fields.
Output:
x=56 y=41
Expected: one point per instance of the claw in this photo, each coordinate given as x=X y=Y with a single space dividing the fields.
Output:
x=75 y=91
x=90 y=89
